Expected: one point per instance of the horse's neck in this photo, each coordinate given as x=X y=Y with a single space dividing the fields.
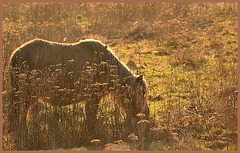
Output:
x=125 y=74
x=122 y=70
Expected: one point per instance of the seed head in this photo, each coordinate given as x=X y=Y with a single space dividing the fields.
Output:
x=133 y=137
x=55 y=87
x=143 y=124
x=118 y=141
x=71 y=61
x=95 y=142
x=141 y=115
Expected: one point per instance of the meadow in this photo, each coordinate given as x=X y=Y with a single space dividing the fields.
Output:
x=187 y=53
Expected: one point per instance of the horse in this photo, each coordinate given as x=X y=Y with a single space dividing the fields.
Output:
x=86 y=71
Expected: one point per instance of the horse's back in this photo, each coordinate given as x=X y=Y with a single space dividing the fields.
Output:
x=40 y=54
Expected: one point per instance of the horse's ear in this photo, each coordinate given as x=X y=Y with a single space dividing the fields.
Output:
x=139 y=78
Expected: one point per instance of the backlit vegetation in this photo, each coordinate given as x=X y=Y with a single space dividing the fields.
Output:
x=186 y=51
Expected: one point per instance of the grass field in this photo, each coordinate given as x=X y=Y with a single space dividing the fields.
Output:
x=187 y=53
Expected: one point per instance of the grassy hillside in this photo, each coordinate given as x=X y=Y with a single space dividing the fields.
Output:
x=186 y=51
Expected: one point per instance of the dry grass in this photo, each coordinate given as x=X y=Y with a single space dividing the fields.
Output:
x=187 y=52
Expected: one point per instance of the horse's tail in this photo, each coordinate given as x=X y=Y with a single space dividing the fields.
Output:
x=13 y=113
x=18 y=104
x=15 y=104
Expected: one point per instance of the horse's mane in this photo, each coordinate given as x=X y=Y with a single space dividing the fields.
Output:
x=101 y=47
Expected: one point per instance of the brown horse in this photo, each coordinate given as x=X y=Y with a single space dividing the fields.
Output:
x=63 y=74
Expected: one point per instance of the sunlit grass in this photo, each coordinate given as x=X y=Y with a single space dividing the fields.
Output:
x=186 y=51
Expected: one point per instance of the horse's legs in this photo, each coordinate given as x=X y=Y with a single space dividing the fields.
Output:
x=24 y=107
x=91 y=114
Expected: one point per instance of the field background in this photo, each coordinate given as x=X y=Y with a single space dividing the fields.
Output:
x=186 y=51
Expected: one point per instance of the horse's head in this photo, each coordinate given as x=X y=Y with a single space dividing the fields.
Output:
x=139 y=96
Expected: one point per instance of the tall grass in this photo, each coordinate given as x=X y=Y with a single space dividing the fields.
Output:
x=186 y=51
